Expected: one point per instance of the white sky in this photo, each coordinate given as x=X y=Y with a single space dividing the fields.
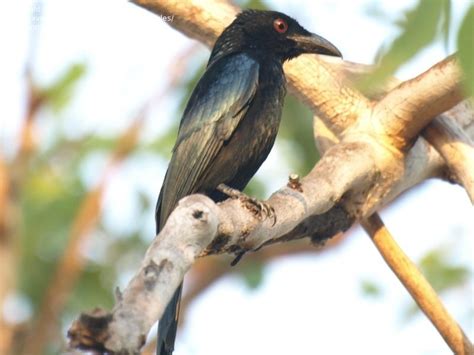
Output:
x=307 y=305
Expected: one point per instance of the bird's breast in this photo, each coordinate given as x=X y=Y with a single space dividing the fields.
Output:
x=258 y=129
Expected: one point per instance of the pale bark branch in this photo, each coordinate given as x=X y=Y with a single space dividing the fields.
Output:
x=237 y=230
x=418 y=287
x=188 y=231
x=199 y=227
x=451 y=134
x=408 y=108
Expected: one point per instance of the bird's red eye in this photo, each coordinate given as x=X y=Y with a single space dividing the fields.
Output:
x=280 y=25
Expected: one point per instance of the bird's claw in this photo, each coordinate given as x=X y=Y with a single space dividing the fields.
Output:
x=259 y=208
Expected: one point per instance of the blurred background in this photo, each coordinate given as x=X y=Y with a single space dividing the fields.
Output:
x=91 y=96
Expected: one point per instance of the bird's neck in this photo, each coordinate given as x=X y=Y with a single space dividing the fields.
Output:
x=260 y=54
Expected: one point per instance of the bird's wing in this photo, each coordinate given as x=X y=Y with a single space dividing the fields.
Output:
x=217 y=105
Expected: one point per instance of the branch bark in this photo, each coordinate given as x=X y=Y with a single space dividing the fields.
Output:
x=408 y=108
x=454 y=143
x=162 y=270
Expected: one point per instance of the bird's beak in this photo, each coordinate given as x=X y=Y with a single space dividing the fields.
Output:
x=312 y=43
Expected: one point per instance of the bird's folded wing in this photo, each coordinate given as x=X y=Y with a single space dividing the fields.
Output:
x=215 y=108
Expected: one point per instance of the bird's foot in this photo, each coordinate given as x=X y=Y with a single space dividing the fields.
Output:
x=260 y=208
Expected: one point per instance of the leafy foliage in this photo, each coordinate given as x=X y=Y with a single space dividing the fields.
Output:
x=439 y=269
x=48 y=205
x=419 y=27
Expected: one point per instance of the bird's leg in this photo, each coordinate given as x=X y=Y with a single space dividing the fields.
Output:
x=260 y=208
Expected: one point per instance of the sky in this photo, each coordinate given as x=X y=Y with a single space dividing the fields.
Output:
x=306 y=304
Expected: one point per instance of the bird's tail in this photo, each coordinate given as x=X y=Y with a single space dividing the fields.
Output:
x=168 y=325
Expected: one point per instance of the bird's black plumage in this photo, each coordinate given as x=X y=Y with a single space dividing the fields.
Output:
x=232 y=117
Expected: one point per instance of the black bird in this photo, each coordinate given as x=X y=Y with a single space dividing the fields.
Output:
x=231 y=120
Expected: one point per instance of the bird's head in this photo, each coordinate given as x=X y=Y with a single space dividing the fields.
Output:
x=270 y=33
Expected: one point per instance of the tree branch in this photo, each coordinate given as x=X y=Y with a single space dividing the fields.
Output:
x=412 y=279
x=220 y=229
x=418 y=287
x=455 y=148
x=408 y=108
x=162 y=270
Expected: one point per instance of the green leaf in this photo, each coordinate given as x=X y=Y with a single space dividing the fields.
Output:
x=466 y=49
x=59 y=93
x=441 y=272
x=419 y=28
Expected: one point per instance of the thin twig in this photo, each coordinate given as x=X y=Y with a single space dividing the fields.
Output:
x=418 y=287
